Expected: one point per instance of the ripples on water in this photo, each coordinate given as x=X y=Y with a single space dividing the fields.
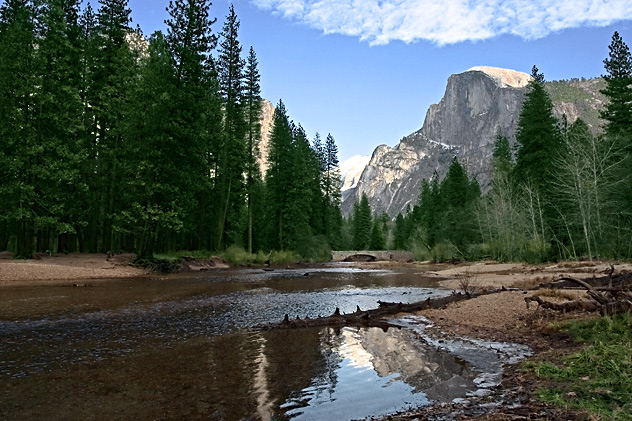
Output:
x=306 y=373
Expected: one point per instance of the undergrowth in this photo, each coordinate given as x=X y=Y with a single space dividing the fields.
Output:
x=161 y=264
x=598 y=378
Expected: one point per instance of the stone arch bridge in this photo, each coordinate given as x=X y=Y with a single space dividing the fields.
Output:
x=372 y=256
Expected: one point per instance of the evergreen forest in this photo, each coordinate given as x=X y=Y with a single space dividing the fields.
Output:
x=113 y=142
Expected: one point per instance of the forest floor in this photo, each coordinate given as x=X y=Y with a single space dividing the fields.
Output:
x=501 y=316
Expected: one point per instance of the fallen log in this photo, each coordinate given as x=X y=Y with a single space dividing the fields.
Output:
x=577 y=305
x=366 y=318
x=608 y=300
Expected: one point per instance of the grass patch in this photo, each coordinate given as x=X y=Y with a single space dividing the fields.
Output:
x=239 y=256
x=283 y=257
x=598 y=378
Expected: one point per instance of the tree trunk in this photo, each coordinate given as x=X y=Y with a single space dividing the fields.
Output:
x=43 y=240
x=222 y=219
x=4 y=235
x=24 y=240
x=62 y=243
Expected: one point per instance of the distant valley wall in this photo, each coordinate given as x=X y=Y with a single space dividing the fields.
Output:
x=478 y=105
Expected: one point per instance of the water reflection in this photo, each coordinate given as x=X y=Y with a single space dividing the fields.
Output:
x=370 y=372
x=183 y=348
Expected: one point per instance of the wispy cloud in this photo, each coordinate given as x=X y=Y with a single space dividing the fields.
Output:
x=447 y=21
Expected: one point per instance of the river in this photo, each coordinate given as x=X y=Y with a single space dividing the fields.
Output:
x=186 y=347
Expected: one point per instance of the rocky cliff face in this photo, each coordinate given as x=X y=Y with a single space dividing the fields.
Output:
x=267 y=119
x=477 y=105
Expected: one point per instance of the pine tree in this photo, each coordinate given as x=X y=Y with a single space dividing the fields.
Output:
x=377 y=241
x=457 y=192
x=233 y=151
x=252 y=102
x=331 y=189
x=114 y=72
x=502 y=157
x=278 y=174
x=361 y=223
x=402 y=232
x=430 y=209
x=88 y=235
x=156 y=168
x=19 y=148
x=618 y=110
x=59 y=121
x=538 y=137
x=195 y=117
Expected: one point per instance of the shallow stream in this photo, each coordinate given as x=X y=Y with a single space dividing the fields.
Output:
x=187 y=347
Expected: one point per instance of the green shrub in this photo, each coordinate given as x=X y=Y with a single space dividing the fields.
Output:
x=314 y=248
x=284 y=257
x=167 y=264
x=238 y=256
x=442 y=252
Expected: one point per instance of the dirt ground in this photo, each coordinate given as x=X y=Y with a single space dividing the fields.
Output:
x=507 y=311
x=45 y=269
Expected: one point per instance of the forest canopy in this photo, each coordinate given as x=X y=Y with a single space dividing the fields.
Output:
x=111 y=141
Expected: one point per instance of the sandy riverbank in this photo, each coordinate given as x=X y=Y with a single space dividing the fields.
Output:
x=502 y=311
x=46 y=269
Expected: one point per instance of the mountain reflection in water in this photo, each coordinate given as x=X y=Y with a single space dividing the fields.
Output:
x=185 y=348
x=370 y=372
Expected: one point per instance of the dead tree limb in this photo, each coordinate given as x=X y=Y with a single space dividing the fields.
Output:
x=370 y=318
x=607 y=300
x=578 y=305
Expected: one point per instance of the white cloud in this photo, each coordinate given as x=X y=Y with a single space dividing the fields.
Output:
x=447 y=21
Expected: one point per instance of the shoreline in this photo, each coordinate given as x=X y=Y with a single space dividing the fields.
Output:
x=502 y=316
x=47 y=269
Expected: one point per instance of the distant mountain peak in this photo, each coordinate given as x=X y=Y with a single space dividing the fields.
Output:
x=351 y=170
x=504 y=77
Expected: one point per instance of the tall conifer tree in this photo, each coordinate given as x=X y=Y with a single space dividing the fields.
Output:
x=361 y=223
x=114 y=73
x=253 y=103
x=538 y=137
x=618 y=110
x=331 y=191
x=59 y=122
x=233 y=152
x=195 y=114
x=278 y=174
x=19 y=148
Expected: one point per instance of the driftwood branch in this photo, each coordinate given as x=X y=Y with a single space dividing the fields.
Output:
x=607 y=300
x=370 y=318
x=578 y=305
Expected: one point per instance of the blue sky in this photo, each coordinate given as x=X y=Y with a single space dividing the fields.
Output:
x=366 y=71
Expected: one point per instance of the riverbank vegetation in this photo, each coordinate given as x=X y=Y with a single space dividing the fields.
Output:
x=114 y=142
x=597 y=378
